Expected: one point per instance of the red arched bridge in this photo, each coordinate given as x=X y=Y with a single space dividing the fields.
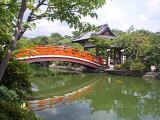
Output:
x=59 y=53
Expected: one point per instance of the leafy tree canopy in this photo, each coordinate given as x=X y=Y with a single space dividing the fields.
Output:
x=17 y=16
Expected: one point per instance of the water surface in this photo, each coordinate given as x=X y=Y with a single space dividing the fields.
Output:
x=111 y=98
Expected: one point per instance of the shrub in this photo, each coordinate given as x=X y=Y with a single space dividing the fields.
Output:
x=126 y=65
x=14 y=89
x=17 y=77
x=12 y=111
x=137 y=66
x=8 y=95
x=10 y=104
x=118 y=66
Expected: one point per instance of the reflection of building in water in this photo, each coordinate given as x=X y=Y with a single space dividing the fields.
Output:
x=39 y=105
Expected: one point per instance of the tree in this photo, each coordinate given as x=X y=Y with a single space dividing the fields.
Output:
x=24 y=43
x=14 y=22
x=135 y=42
x=55 y=38
x=152 y=53
x=117 y=32
x=40 y=40
x=76 y=34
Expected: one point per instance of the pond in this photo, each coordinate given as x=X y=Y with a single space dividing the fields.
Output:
x=109 y=98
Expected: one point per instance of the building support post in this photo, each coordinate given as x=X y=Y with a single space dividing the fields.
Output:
x=97 y=51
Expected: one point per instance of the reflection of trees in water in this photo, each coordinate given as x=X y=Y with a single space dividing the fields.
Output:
x=39 y=105
x=129 y=98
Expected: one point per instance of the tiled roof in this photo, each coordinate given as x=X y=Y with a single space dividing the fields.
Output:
x=102 y=29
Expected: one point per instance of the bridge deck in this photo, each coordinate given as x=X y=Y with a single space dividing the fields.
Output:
x=59 y=53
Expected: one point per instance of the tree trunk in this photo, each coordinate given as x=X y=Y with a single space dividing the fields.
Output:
x=114 y=56
x=18 y=34
x=5 y=60
x=4 y=64
x=118 y=56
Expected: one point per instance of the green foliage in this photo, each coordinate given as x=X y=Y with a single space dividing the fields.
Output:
x=126 y=65
x=117 y=32
x=92 y=51
x=137 y=66
x=139 y=44
x=7 y=16
x=14 y=89
x=56 y=35
x=65 y=41
x=8 y=95
x=118 y=66
x=76 y=34
x=17 y=77
x=39 y=71
x=152 y=54
x=12 y=111
x=77 y=46
x=101 y=42
x=40 y=40
x=7 y=23
x=134 y=42
x=72 y=11
x=54 y=39
x=24 y=43
x=13 y=25
x=14 y=22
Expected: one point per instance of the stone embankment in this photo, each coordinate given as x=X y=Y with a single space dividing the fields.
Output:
x=125 y=73
x=149 y=75
x=153 y=75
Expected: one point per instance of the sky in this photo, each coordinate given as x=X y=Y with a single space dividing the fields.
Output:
x=118 y=14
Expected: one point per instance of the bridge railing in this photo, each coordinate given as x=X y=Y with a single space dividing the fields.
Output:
x=59 y=51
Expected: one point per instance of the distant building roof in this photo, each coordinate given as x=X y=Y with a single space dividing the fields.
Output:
x=103 y=31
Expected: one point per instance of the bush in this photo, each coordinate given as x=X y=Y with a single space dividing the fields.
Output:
x=126 y=65
x=137 y=66
x=14 y=89
x=8 y=95
x=17 y=77
x=12 y=111
x=10 y=104
x=118 y=66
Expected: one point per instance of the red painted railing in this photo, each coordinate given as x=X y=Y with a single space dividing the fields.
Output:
x=58 y=51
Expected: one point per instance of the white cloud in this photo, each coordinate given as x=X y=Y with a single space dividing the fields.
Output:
x=45 y=27
x=115 y=16
x=144 y=15
x=153 y=9
x=153 y=4
x=151 y=15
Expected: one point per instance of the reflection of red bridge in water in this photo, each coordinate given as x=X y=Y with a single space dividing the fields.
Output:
x=38 y=105
x=59 y=53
